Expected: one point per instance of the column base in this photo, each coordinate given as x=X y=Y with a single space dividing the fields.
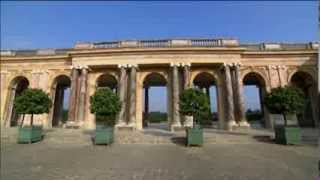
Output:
x=72 y=125
x=231 y=125
x=121 y=124
x=176 y=127
x=126 y=127
x=244 y=124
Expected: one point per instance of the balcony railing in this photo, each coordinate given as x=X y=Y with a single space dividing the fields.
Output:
x=114 y=44
x=206 y=42
x=167 y=43
x=153 y=43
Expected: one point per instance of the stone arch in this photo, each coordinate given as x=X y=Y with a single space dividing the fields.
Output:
x=153 y=79
x=141 y=75
x=15 y=88
x=305 y=71
x=208 y=72
x=261 y=75
x=255 y=78
x=107 y=80
x=161 y=74
x=208 y=81
x=59 y=85
x=307 y=83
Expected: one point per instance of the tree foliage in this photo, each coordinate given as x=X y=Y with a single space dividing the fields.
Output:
x=285 y=100
x=194 y=102
x=105 y=104
x=32 y=101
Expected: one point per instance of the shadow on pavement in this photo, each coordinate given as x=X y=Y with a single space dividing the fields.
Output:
x=180 y=141
x=265 y=139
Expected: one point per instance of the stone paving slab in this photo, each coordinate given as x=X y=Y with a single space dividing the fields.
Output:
x=159 y=136
x=254 y=161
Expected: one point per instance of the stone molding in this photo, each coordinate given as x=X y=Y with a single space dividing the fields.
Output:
x=178 y=64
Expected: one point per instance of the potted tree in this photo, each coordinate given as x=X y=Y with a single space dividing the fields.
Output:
x=286 y=100
x=105 y=104
x=195 y=103
x=31 y=101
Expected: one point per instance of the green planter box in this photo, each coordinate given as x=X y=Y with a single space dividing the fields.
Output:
x=103 y=135
x=287 y=135
x=194 y=136
x=29 y=134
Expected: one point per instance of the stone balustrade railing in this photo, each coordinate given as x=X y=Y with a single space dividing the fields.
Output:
x=162 y=43
x=166 y=43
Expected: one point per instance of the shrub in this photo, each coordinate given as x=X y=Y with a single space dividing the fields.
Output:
x=105 y=104
x=254 y=115
x=284 y=100
x=32 y=101
x=157 y=117
x=194 y=102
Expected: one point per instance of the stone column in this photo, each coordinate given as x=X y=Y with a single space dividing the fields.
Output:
x=8 y=114
x=229 y=98
x=73 y=94
x=146 y=106
x=82 y=94
x=239 y=98
x=186 y=75
x=188 y=120
x=175 y=97
x=122 y=94
x=132 y=110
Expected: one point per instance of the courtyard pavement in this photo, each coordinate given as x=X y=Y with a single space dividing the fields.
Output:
x=69 y=155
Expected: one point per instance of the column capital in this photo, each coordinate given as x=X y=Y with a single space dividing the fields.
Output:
x=75 y=67
x=36 y=71
x=281 y=67
x=84 y=67
x=226 y=66
x=122 y=66
x=185 y=64
x=175 y=64
x=132 y=65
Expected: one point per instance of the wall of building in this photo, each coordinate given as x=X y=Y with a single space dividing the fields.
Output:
x=274 y=66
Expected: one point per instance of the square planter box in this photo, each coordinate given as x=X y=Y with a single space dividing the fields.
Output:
x=103 y=135
x=287 y=135
x=29 y=134
x=194 y=136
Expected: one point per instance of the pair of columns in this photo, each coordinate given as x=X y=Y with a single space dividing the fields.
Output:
x=234 y=97
x=78 y=92
x=131 y=95
x=176 y=119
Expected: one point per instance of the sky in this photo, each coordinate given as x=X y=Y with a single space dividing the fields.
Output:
x=28 y=25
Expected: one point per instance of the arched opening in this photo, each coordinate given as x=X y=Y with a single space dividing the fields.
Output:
x=305 y=82
x=254 y=92
x=107 y=80
x=61 y=93
x=155 y=113
x=207 y=83
x=18 y=85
